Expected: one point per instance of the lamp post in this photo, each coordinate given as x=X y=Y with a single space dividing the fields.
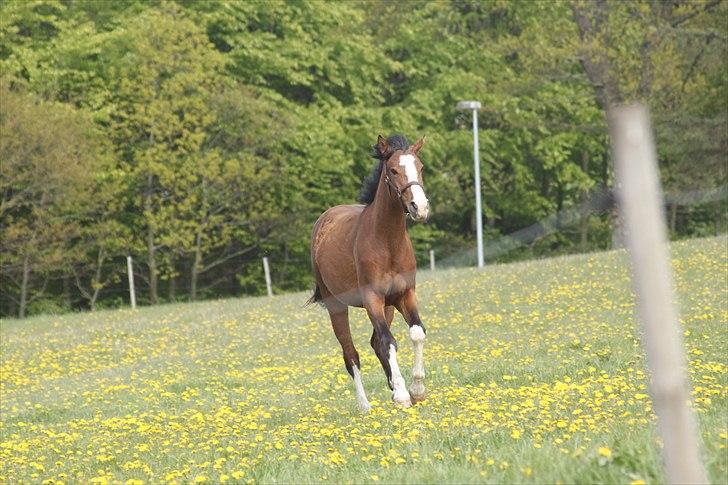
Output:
x=474 y=106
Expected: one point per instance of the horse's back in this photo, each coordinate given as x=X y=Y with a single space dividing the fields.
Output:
x=332 y=252
x=342 y=219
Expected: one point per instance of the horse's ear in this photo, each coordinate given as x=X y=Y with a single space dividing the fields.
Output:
x=382 y=146
x=416 y=147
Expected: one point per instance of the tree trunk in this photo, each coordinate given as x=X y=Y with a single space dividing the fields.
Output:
x=194 y=272
x=584 y=209
x=24 y=287
x=96 y=284
x=719 y=217
x=618 y=230
x=152 y=263
x=151 y=249
x=67 y=291
x=591 y=19
x=283 y=272
x=94 y=297
x=172 y=289
x=11 y=306
x=584 y=226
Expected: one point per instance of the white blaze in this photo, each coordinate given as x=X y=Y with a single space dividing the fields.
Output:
x=400 y=394
x=418 y=195
x=361 y=397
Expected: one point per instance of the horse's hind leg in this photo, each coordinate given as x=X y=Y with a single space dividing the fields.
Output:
x=389 y=315
x=340 y=322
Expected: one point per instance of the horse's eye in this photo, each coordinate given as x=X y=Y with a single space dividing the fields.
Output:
x=393 y=171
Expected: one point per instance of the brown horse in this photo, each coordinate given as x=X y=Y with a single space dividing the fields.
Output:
x=363 y=257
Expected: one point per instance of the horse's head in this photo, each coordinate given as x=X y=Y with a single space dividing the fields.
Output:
x=403 y=174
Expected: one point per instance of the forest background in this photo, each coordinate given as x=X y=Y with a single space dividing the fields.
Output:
x=199 y=136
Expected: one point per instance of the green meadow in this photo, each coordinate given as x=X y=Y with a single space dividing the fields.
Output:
x=535 y=374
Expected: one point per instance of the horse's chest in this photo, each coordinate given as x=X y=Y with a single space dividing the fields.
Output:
x=387 y=269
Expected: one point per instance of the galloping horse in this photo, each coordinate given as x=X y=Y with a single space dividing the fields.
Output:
x=363 y=257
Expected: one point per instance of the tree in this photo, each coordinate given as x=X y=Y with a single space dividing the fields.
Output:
x=48 y=153
x=97 y=251
x=233 y=125
x=234 y=203
x=163 y=69
x=653 y=52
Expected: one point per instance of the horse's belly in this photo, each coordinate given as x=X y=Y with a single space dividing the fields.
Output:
x=340 y=279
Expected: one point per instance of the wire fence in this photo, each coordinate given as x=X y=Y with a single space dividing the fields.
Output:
x=247 y=276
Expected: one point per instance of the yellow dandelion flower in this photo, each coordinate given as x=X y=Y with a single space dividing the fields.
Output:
x=604 y=451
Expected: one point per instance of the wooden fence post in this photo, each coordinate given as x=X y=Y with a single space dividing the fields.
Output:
x=432 y=259
x=640 y=203
x=130 y=271
x=267 y=276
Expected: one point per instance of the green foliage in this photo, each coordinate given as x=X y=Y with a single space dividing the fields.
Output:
x=215 y=133
x=49 y=154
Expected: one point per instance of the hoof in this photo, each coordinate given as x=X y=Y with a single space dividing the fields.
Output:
x=417 y=391
x=402 y=400
x=363 y=404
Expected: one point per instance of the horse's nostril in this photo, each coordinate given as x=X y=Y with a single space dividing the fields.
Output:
x=413 y=205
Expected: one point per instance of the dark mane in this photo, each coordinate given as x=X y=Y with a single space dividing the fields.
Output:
x=369 y=186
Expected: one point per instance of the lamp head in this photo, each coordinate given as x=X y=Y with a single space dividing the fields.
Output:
x=468 y=105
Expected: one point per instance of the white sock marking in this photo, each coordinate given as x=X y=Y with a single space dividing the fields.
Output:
x=417 y=334
x=400 y=394
x=418 y=195
x=361 y=397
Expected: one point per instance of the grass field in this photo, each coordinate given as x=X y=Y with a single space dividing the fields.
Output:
x=535 y=374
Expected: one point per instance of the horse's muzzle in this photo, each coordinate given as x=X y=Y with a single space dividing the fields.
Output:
x=418 y=212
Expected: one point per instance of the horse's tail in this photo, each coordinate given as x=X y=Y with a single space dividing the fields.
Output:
x=316 y=297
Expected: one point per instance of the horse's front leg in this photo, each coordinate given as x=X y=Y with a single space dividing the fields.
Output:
x=407 y=306
x=385 y=347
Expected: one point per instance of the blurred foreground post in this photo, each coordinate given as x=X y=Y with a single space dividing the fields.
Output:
x=130 y=271
x=640 y=200
x=267 y=276
x=432 y=259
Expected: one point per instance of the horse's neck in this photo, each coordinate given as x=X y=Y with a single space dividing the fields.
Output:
x=388 y=215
